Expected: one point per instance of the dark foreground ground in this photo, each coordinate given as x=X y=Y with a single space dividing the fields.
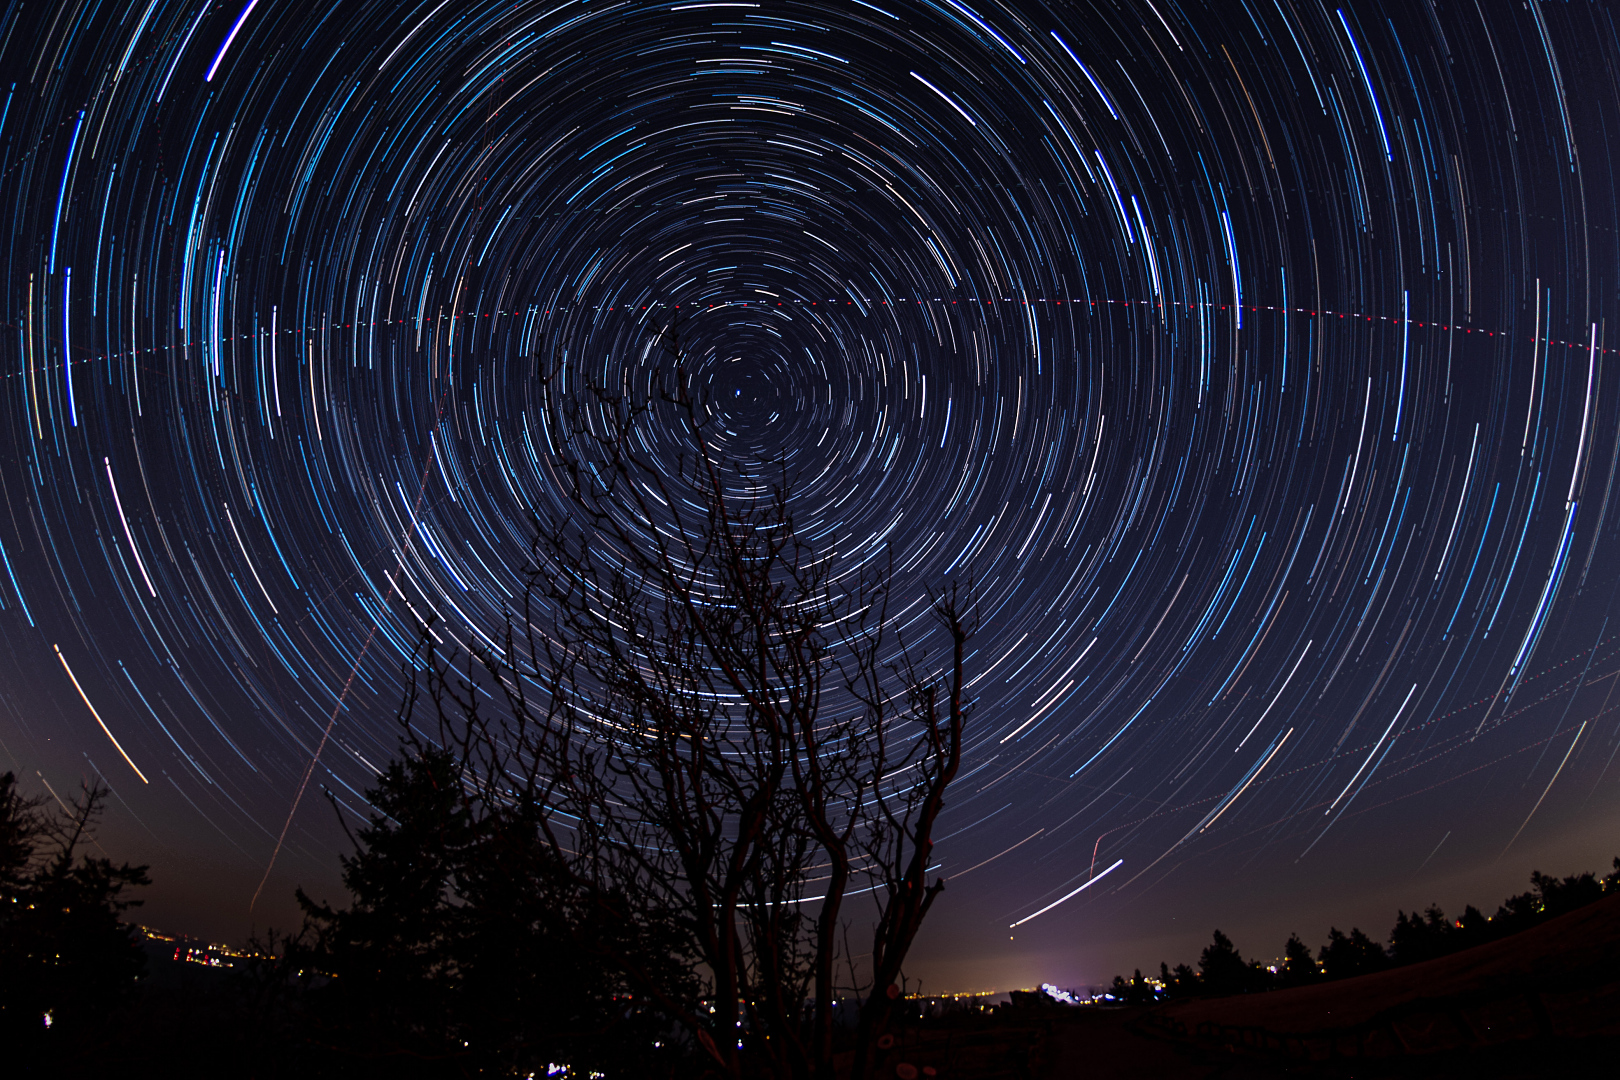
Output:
x=1543 y=1003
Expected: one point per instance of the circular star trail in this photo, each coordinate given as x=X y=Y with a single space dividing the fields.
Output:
x=1250 y=359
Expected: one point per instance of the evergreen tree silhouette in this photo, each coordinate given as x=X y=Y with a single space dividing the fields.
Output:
x=1416 y=938
x=1346 y=957
x=1556 y=897
x=66 y=958
x=461 y=954
x=1223 y=968
x=1299 y=967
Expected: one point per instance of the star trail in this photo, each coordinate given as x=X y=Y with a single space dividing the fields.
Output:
x=1250 y=358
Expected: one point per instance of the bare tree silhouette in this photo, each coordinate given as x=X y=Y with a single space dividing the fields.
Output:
x=696 y=724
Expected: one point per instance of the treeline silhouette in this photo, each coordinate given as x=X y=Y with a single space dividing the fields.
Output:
x=453 y=958
x=1415 y=937
x=66 y=958
x=459 y=953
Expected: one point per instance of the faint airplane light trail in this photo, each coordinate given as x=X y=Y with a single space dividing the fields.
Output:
x=421 y=493
x=999 y=854
x=315 y=758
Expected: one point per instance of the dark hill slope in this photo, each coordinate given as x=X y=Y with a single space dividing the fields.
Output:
x=1543 y=994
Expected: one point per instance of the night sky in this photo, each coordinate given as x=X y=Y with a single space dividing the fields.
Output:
x=1251 y=358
